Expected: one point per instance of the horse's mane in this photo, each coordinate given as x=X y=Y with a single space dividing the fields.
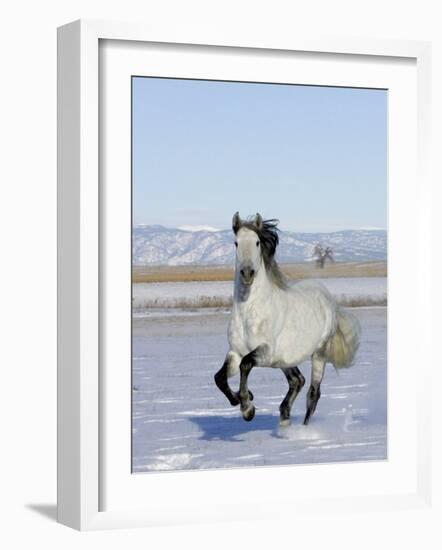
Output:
x=268 y=234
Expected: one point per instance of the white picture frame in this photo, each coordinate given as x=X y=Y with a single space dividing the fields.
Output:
x=80 y=296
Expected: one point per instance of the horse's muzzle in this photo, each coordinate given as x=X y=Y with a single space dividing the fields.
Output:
x=247 y=274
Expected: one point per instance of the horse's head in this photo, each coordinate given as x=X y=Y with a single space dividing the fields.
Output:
x=256 y=241
x=248 y=247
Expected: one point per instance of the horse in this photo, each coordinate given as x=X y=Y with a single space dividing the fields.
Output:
x=280 y=325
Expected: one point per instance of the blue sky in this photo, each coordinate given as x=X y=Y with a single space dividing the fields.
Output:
x=314 y=157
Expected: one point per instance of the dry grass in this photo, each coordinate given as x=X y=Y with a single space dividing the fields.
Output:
x=163 y=274
x=167 y=274
x=188 y=303
x=362 y=301
x=217 y=302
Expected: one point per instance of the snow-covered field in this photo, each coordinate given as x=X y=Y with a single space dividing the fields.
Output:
x=182 y=421
x=195 y=294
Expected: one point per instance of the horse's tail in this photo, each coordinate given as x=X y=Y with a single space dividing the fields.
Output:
x=342 y=348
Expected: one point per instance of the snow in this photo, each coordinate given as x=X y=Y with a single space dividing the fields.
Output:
x=182 y=421
x=197 y=228
x=166 y=295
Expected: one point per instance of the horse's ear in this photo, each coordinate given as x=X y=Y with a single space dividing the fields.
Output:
x=258 y=221
x=236 y=222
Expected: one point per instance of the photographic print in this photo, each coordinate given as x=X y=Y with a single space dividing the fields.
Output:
x=259 y=274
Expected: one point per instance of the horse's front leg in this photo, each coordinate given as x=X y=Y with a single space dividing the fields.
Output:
x=229 y=368
x=257 y=357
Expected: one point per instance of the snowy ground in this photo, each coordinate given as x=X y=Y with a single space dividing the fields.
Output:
x=166 y=295
x=182 y=421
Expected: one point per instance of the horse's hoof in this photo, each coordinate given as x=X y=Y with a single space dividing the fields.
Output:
x=234 y=400
x=284 y=422
x=249 y=413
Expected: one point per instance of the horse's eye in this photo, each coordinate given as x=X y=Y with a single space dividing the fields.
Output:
x=257 y=243
x=236 y=244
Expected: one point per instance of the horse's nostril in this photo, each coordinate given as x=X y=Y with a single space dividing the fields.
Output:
x=252 y=272
x=242 y=272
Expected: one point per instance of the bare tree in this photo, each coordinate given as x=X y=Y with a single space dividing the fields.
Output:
x=322 y=254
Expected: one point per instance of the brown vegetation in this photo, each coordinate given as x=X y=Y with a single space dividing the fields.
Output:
x=220 y=302
x=163 y=274
x=188 y=303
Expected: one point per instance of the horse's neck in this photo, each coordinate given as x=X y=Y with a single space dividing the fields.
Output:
x=261 y=288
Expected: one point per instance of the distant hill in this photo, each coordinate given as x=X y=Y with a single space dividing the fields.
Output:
x=158 y=245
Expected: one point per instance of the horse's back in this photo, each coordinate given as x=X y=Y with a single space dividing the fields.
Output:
x=313 y=291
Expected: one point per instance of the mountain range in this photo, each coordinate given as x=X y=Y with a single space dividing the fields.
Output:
x=201 y=245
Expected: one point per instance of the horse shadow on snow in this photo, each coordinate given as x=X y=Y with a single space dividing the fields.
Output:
x=231 y=428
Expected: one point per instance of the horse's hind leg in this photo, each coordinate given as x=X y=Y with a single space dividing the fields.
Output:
x=296 y=382
x=314 y=392
x=229 y=368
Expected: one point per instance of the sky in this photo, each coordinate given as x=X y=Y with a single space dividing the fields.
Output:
x=313 y=157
